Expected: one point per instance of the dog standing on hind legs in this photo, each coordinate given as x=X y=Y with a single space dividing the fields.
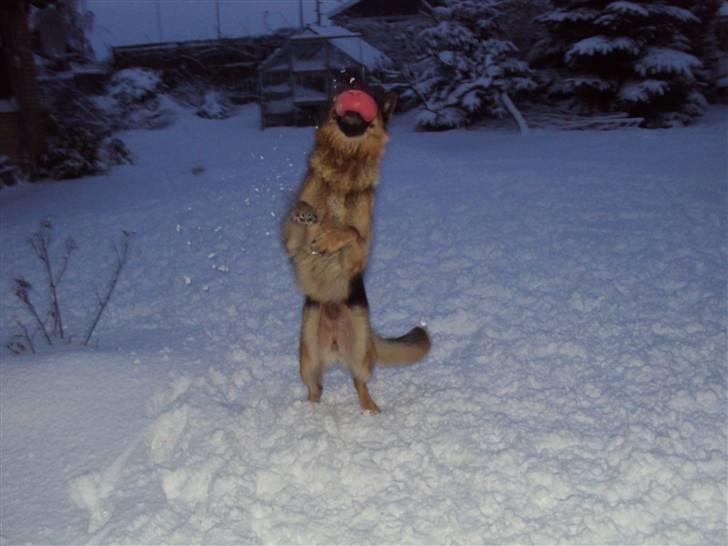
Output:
x=328 y=235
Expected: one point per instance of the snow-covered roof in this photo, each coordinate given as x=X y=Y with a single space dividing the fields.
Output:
x=353 y=45
x=346 y=41
x=324 y=31
x=343 y=7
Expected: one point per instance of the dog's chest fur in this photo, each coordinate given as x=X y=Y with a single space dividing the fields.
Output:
x=336 y=207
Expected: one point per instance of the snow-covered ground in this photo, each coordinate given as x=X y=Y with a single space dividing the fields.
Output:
x=574 y=285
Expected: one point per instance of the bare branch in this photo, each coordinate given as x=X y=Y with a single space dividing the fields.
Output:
x=514 y=112
x=428 y=10
x=122 y=256
x=40 y=242
x=27 y=337
x=21 y=289
x=69 y=247
x=409 y=75
x=21 y=343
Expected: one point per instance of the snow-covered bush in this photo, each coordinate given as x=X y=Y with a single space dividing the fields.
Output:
x=207 y=101
x=622 y=55
x=469 y=66
x=9 y=172
x=79 y=136
x=81 y=127
x=137 y=102
x=134 y=85
x=71 y=153
x=78 y=152
x=214 y=106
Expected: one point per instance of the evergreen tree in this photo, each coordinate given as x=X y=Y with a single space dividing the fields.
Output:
x=640 y=56
x=468 y=68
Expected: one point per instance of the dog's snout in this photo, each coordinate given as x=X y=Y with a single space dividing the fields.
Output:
x=351 y=123
x=352 y=117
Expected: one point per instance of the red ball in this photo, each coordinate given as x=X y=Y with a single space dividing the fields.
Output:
x=357 y=101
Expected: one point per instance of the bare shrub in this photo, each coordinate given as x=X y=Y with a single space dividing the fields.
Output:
x=50 y=324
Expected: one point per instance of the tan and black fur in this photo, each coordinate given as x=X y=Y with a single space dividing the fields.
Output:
x=328 y=236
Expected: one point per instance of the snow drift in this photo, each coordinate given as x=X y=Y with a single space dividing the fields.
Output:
x=574 y=284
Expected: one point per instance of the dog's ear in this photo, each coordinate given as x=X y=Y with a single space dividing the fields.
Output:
x=388 y=104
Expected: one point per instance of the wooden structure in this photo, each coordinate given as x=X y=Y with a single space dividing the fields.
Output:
x=232 y=62
x=380 y=9
x=22 y=130
x=296 y=80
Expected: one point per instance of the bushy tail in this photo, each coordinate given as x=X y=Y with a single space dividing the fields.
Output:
x=406 y=349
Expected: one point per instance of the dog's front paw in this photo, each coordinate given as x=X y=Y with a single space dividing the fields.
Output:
x=303 y=213
x=327 y=242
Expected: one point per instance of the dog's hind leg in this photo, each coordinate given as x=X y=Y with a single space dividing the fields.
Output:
x=365 y=399
x=311 y=365
x=361 y=357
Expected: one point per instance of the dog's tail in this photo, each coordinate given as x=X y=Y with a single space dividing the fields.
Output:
x=406 y=349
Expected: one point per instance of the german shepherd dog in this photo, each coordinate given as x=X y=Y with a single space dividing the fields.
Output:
x=328 y=235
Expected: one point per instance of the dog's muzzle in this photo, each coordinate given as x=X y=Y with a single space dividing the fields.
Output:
x=354 y=111
x=356 y=101
x=351 y=124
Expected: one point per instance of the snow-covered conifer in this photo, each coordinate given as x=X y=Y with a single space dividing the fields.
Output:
x=639 y=56
x=468 y=65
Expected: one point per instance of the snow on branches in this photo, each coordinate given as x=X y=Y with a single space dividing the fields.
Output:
x=667 y=61
x=628 y=8
x=469 y=70
x=640 y=57
x=602 y=45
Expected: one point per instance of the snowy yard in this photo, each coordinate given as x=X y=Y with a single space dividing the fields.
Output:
x=574 y=284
